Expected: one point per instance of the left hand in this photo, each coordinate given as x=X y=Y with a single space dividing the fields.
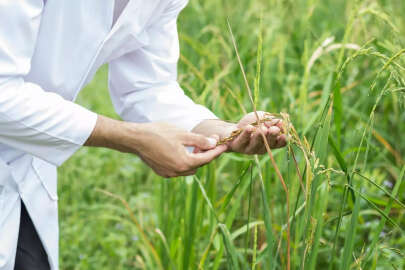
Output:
x=250 y=141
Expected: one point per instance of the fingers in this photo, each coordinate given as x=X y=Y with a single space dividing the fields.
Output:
x=281 y=141
x=256 y=141
x=194 y=161
x=198 y=150
x=200 y=159
x=250 y=118
x=274 y=131
x=243 y=139
x=280 y=125
x=199 y=141
x=273 y=122
x=273 y=136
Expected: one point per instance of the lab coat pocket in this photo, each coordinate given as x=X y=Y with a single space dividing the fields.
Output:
x=47 y=174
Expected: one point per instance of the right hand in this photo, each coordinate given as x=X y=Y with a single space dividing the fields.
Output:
x=163 y=148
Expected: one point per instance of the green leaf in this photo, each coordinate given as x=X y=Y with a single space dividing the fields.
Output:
x=230 y=248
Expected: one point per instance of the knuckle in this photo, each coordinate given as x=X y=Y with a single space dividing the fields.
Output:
x=201 y=140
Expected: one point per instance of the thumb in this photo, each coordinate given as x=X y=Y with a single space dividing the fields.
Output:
x=199 y=141
x=198 y=150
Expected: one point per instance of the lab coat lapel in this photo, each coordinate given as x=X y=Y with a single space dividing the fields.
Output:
x=70 y=38
x=129 y=32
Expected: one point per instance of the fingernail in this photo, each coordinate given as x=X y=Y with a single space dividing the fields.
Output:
x=212 y=142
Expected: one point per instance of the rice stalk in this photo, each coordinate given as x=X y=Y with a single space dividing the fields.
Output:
x=167 y=249
x=266 y=144
x=205 y=253
x=249 y=209
x=137 y=224
x=376 y=238
x=254 y=248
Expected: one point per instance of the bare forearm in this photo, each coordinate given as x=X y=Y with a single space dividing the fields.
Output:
x=113 y=134
x=159 y=145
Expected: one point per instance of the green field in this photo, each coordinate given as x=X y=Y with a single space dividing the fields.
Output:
x=344 y=168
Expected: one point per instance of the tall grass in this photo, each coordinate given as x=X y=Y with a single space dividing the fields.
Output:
x=334 y=198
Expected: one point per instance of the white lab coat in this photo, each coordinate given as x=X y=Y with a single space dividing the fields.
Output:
x=48 y=51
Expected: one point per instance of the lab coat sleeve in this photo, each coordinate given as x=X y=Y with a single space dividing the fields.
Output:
x=143 y=83
x=32 y=120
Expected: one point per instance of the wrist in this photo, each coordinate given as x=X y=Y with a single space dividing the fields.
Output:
x=108 y=133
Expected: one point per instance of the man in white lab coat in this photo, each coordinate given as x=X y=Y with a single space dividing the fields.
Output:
x=48 y=51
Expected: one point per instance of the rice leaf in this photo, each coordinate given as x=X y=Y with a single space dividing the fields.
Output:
x=190 y=226
x=338 y=110
x=258 y=62
x=376 y=208
x=371 y=248
x=342 y=162
x=392 y=196
x=350 y=237
x=227 y=198
x=230 y=248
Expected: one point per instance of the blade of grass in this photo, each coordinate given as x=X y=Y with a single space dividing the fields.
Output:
x=267 y=217
x=381 y=225
x=227 y=198
x=321 y=150
x=341 y=161
x=249 y=209
x=354 y=168
x=320 y=209
x=205 y=196
x=376 y=208
x=137 y=224
x=166 y=246
x=229 y=246
x=338 y=110
x=266 y=144
x=258 y=61
x=254 y=248
x=392 y=196
x=350 y=237
x=189 y=226
x=207 y=249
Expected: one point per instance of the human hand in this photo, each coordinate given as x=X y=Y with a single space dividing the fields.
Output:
x=161 y=146
x=250 y=141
